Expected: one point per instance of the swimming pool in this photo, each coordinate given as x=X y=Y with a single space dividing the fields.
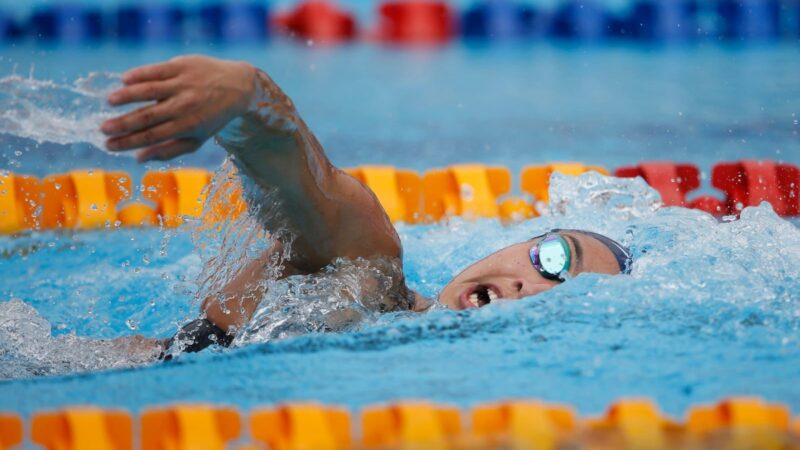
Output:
x=710 y=310
x=417 y=109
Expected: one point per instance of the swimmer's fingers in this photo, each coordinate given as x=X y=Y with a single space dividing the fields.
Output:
x=152 y=72
x=140 y=119
x=168 y=150
x=151 y=115
x=143 y=92
x=150 y=136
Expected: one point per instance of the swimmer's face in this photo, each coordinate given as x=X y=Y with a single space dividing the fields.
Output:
x=508 y=274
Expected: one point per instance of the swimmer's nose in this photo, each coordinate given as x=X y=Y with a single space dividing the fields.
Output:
x=523 y=288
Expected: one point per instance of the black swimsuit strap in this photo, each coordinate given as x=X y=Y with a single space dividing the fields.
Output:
x=194 y=337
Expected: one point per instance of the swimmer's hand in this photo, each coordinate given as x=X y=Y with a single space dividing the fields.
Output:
x=195 y=96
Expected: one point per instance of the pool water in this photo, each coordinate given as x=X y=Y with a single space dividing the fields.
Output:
x=502 y=104
x=710 y=310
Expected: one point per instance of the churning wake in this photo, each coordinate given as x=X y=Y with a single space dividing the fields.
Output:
x=746 y=268
x=64 y=298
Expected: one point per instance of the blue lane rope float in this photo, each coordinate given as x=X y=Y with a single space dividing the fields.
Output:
x=755 y=20
x=69 y=23
x=664 y=20
x=661 y=21
x=149 y=22
x=500 y=20
x=581 y=21
x=235 y=22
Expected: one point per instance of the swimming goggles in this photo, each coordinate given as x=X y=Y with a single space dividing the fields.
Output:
x=551 y=256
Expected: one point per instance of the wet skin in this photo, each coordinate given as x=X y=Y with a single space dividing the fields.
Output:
x=332 y=215
x=508 y=274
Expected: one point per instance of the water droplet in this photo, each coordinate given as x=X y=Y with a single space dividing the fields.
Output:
x=467 y=192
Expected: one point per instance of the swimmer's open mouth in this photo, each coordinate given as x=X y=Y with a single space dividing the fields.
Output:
x=480 y=295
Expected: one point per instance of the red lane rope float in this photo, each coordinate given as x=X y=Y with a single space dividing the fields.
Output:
x=745 y=183
x=748 y=183
x=319 y=20
x=672 y=181
x=416 y=22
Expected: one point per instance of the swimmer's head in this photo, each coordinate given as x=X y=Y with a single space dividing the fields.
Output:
x=519 y=271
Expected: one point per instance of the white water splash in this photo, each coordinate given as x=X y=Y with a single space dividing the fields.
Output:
x=46 y=111
x=682 y=259
x=624 y=198
x=27 y=347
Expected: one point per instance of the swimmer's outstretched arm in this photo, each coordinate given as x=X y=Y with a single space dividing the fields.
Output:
x=197 y=97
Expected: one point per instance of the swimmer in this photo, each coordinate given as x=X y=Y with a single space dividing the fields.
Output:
x=331 y=214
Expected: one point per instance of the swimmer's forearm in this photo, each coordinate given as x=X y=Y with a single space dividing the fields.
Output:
x=270 y=122
x=333 y=213
x=274 y=146
x=192 y=98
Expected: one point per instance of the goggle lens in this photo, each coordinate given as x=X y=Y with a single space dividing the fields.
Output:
x=551 y=256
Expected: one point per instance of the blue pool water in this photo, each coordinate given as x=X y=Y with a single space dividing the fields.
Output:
x=504 y=104
x=710 y=310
